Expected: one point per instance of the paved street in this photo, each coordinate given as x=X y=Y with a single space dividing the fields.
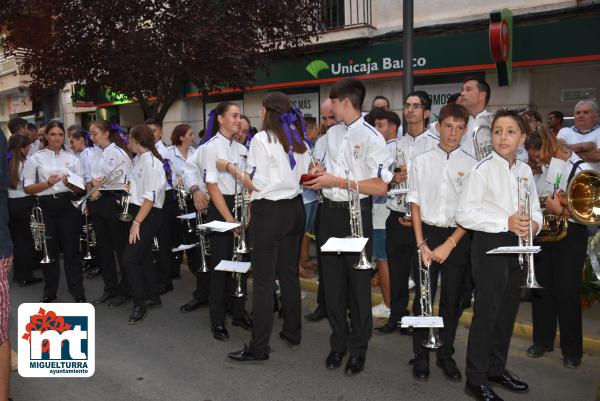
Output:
x=172 y=356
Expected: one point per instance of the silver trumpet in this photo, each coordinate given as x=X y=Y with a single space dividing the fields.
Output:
x=426 y=302
x=182 y=204
x=38 y=232
x=112 y=177
x=202 y=241
x=313 y=163
x=240 y=247
x=525 y=208
x=89 y=238
x=125 y=216
x=400 y=161
x=356 y=227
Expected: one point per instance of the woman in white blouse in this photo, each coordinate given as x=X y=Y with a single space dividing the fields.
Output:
x=45 y=174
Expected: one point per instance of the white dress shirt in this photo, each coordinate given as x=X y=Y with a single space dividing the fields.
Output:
x=411 y=147
x=219 y=147
x=359 y=149
x=490 y=195
x=113 y=157
x=181 y=165
x=573 y=137
x=90 y=162
x=45 y=163
x=148 y=180
x=34 y=147
x=269 y=165
x=18 y=192
x=194 y=172
x=435 y=183
x=319 y=149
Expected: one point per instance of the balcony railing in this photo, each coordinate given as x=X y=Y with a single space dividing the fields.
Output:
x=8 y=64
x=339 y=14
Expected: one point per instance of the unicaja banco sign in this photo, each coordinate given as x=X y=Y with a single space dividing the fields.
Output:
x=321 y=69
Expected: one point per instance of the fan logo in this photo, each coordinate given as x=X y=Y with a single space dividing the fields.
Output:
x=56 y=342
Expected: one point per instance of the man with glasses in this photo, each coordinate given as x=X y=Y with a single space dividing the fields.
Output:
x=400 y=240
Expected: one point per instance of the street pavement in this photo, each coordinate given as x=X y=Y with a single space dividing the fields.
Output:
x=172 y=356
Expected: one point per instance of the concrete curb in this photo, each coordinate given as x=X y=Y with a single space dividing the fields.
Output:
x=524 y=330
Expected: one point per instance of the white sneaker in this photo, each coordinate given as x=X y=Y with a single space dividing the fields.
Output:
x=380 y=310
x=411 y=283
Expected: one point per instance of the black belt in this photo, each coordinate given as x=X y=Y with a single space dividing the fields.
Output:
x=56 y=196
x=365 y=204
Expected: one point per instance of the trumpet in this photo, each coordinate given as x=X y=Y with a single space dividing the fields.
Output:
x=182 y=204
x=202 y=241
x=400 y=161
x=38 y=232
x=313 y=163
x=240 y=247
x=125 y=216
x=356 y=227
x=89 y=237
x=525 y=208
x=426 y=302
x=112 y=177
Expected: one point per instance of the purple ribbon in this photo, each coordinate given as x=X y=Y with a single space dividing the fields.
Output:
x=121 y=132
x=87 y=139
x=300 y=117
x=288 y=121
x=168 y=172
x=209 y=126
x=9 y=155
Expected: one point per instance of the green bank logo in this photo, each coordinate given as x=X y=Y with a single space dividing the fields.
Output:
x=315 y=67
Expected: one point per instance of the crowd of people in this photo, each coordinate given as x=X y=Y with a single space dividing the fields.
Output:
x=427 y=192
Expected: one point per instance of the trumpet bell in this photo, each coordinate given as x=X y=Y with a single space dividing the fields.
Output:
x=77 y=204
x=46 y=260
x=363 y=263
x=127 y=218
x=583 y=197
x=531 y=282
x=433 y=342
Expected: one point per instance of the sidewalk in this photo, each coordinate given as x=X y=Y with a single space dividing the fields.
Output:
x=523 y=326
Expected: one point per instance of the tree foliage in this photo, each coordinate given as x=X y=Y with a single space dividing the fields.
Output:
x=148 y=49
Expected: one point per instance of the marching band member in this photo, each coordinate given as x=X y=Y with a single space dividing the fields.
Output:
x=45 y=175
x=277 y=158
x=79 y=141
x=221 y=189
x=147 y=193
x=167 y=261
x=19 y=206
x=489 y=206
x=400 y=243
x=559 y=268
x=355 y=153
x=111 y=233
x=435 y=183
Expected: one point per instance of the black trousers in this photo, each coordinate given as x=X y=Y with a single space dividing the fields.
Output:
x=222 y=283
x=345 y=285
x=276 y=232
x=402 y=260
x=111 y=239
x=452 y=271
x=24 y=255
x=559 y=271
x=137 y=259
x=497 y=279
x=167 y=261
x=321 y=289
x=62 y=226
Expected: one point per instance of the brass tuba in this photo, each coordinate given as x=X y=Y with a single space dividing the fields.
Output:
x=583 y=197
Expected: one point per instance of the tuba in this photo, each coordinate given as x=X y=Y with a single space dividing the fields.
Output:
x=426 y=302
x=356 y=227
x=482 y=138
x=38 y=232
x=525 y=207
x=583 y=197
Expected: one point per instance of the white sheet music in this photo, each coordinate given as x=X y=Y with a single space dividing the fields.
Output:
x=219 y=226
x=189 y=216
x=514 y=249
x=75 y=180
x=422 y=321
x=234 y=267
x=338 y=245
x=184 y=247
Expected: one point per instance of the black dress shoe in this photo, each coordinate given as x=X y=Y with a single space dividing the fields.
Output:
x=482 y=393
x=245 y=322
x=318 y=314
x=219 y=331
x=103 y=298
x=139 y=312
x=387 y=328
x=334 y=360
x=165 y=288
x=153 y=302
x=118 y=300
x=420 y=367
x=28 y=282
x=571 y=363
x=510 y=382
x=192 y=305
x=291 y=342
x=247 y=355
x=80 y=299
x=47 y=299
x=355 y=365
x=535 y=351
x=450 y=369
